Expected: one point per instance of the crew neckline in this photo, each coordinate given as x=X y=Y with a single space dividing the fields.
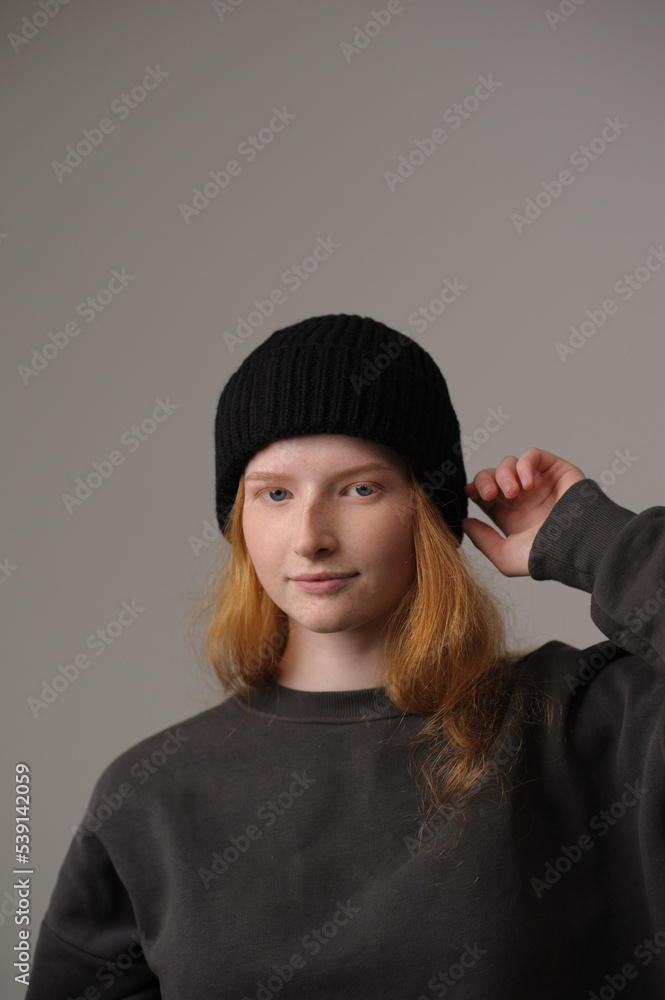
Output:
x=276 y=700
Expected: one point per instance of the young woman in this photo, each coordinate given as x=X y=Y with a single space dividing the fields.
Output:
x=389 y=803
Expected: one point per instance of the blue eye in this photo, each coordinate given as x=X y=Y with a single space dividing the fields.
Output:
x=268 y=494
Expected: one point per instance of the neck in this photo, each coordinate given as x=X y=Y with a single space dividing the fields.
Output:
x=332 y=661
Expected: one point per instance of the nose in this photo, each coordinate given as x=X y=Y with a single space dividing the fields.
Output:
x=314 y=529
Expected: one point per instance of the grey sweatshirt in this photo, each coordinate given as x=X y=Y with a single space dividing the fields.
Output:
x=271 y=846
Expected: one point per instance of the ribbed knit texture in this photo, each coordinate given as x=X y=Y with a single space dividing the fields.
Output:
x=363 y=704
x=342 y=374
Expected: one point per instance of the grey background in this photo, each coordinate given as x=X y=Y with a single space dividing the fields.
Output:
x=322 y=176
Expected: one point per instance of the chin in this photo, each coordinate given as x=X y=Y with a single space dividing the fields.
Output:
x=339 y=625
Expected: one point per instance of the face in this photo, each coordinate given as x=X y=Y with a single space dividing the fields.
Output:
x=325 y=504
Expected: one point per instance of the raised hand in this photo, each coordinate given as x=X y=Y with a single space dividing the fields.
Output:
x=518 y=495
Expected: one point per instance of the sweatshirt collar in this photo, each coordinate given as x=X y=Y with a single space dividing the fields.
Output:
x=365 y=704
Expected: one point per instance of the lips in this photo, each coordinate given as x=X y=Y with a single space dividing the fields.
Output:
x=322 y=583
x=322 y=576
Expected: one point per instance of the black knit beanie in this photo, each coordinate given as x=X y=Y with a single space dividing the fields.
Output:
x=342 y=374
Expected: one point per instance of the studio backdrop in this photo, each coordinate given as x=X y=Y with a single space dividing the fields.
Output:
x=181 y=179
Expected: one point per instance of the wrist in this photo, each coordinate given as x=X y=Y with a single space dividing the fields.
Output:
x=575 y=536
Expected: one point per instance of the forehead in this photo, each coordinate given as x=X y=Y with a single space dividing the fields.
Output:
x=324 y=449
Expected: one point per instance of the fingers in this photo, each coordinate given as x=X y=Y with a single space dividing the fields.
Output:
x=510 y=476
x=488 y=484
x=507 y=477
x=484 y=537
x=509 y=560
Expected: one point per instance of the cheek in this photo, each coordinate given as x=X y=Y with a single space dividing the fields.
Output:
x=260 y=544
x=405 y=552
x=391 y=543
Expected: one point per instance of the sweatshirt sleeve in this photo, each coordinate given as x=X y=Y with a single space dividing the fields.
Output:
x=89 y=944
x=591 y=543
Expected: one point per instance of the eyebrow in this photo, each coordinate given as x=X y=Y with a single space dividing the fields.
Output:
x=354 y=470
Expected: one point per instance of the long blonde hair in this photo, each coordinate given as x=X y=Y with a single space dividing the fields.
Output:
x=445 y=650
